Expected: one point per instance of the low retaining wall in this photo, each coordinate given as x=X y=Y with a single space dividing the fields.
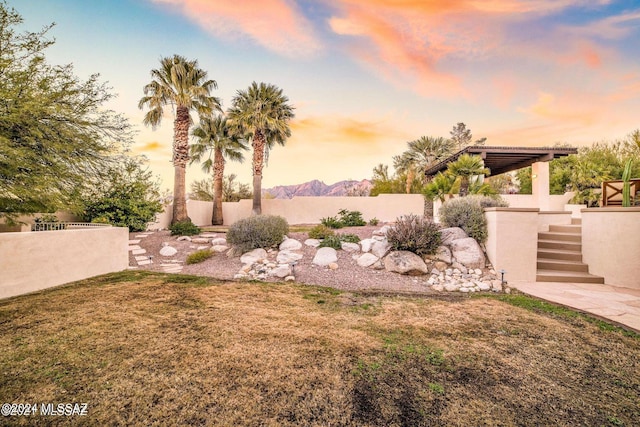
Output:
x=303 y=210
x=512 y=244
x=33 y=261
x=611 y=244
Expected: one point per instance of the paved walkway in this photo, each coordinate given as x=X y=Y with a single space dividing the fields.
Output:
x=621 y=305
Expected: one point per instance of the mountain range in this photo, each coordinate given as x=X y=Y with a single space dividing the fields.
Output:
x=319 y=188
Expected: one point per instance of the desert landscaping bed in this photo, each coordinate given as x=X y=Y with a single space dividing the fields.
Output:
x=143 y=348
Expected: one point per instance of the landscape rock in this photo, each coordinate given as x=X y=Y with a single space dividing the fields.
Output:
x=366 y=244
x=443 y=254
x=200 y=240
x=382 y=231
x=333 y=266
x=168 y=251
x=438 y=288
x=350 y=247
x=440 y=265
x=289 y=279
x=468 y=253
x=234 y=252
x=219 y=248
x=286 y=257
x=290 y=244
x=312 y=242
x=219 y=241
x=484 y=286
x=448 y=235
x=325 y=256
x=184 y=239
x=405 y=262
x=380 y=248
x=367 y=260
x=253 y=256
x=281 y=271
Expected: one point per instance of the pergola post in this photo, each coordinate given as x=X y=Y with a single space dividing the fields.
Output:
x=540 y=185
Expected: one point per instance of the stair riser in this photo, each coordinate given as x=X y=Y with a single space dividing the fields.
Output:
x=575 y=229
x=565 y=246
x=560 y=256
x=577 y=279
x=563 y=267
x=576 y=221
x=558 y=236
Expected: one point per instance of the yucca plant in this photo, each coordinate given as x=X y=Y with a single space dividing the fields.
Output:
x=626 y=186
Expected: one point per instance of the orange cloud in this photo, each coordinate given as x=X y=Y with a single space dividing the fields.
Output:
x=151 y=147
x=277 y=25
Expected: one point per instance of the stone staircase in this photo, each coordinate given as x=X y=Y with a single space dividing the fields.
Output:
x=560 y=255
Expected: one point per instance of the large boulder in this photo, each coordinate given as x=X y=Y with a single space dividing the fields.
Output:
x=287 y=257
x=380 y=248
x=405 y=262
x=468 y=253
x=256 y=255
x=290 y=245
x=366 y=244
x=448 y=235
x=325 y=256
x=168 y=251
x=367 y=260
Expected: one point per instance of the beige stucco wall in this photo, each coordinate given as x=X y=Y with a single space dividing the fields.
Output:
x=33 y=261
x=305 y=210
x=24 y=221
x=611 y=244
x=512 y=243
x=545 y=219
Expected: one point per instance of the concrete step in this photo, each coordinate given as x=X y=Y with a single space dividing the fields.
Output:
x=559 y=254
x=567 y=276
x=569 y=237
x=566 y=228
x=576 y=221
x=559 y=244
x=562 y=265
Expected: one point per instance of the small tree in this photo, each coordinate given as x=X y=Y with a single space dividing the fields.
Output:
x=466 y=167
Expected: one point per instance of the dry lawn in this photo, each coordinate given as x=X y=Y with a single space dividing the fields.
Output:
x=150 y=349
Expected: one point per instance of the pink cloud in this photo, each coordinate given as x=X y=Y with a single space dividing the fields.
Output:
x=277 y=25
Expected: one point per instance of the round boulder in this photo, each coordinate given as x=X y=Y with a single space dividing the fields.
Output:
x=405 y=262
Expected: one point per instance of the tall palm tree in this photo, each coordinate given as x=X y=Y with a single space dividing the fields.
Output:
x=262 y=114
x=183 y=85
x=214 y=137
x=421 y=154
x=465 y=167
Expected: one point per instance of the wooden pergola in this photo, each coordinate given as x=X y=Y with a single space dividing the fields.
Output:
x=504 y=159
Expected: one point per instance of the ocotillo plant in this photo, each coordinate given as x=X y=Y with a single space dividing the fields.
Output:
x=626 y=186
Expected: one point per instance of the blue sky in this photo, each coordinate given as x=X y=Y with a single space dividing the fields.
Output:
x=365 y=77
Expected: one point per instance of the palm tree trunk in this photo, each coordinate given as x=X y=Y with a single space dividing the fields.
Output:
x=410 y=177
x=464 y=186
x=218 y=175
x=258 y=162
x=180 y=159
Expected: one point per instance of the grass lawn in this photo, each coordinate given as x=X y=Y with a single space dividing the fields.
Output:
x=150 y=349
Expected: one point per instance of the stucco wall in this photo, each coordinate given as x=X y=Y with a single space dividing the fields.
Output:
x=512 y=244
x=305 y=210
x=33 y=261
x=24 y=221
x=545 y=219
x=611 y=244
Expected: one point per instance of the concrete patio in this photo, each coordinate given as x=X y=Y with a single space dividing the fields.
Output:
x=618 y=304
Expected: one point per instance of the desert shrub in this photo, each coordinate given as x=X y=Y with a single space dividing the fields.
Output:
x=349 y=238
x=331 y=242
x=320 y=232
x=374 y=221
x=414 y=234
x=331 y=222
x=351 y=218
x=468 y=214
x=184 y=228
x=261 y=231
x=199 y=256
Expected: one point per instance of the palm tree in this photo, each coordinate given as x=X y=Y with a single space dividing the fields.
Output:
x=421 y=154
x=465 y=167
x=441 y=186
x=183 y=85
x=214 y=137
x=262 y=114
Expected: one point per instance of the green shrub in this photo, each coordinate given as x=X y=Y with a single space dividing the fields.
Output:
x=349 y=238
x=468 y=214
x=184 y=228
x=374 y=221
x=320 y=232
x=351 y=218
x=331 y=242
x=261 y=231
x=199 y=256
x=414 y=234
x=331 y=222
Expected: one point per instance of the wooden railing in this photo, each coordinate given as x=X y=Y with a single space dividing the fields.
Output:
x=612 y=193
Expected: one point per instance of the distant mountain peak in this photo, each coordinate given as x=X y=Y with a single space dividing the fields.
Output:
x=318 y=188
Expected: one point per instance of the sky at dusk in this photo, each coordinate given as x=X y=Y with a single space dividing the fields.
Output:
x=366 y=76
